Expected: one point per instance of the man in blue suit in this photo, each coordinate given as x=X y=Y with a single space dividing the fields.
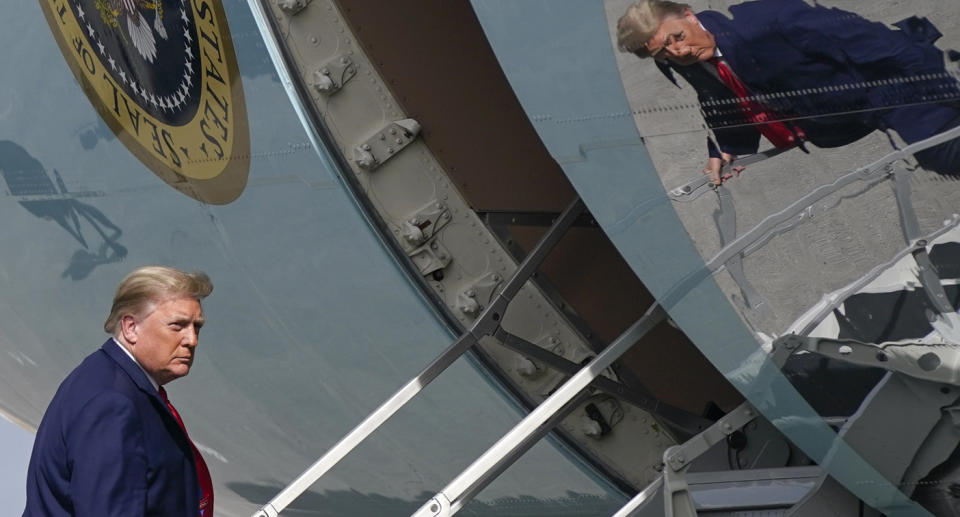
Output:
x=110 y=443
x=797 y=74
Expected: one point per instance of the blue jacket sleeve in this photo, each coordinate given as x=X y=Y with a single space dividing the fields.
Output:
x=889 y=68
x=108 y=463
x=877 y=51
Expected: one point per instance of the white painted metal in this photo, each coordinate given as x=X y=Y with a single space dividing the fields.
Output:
x=935 y=363
x=333 y=74
x=386 y=143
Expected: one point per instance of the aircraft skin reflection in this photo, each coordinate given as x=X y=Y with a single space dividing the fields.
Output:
x=30 y=184
x=903 y=312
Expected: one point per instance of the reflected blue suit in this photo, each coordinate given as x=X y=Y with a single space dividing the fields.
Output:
x=108 y=446
x=838 y=75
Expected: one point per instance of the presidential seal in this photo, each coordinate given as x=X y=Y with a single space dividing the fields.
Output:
x=164 y=77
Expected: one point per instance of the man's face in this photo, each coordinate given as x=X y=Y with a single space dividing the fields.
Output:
x=165 y=340
x=682 y=40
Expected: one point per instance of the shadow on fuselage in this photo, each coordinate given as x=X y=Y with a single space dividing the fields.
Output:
x=350 y=502
x=47 y=198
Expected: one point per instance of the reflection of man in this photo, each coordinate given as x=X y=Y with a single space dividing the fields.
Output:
x=110 y=443
x=796 y=73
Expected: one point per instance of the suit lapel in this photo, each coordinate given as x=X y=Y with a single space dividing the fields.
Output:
x=139 y=378
x=112 y=349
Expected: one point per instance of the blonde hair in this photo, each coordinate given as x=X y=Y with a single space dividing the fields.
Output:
x=153 y=285
x=641 y=21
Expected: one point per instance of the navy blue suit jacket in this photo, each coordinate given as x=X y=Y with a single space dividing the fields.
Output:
x=108 y=446
x=837 y=75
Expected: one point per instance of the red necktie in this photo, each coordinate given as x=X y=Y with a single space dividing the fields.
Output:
x=203 y=474
x=776 y=132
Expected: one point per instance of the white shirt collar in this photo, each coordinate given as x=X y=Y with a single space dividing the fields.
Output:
x=154 y=383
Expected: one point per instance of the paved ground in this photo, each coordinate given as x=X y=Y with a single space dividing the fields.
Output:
x=850 y=232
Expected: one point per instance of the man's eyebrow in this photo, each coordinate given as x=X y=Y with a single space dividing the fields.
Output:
x=184 y=319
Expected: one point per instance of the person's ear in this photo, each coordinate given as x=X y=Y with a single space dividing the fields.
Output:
x=688 y=13
x=129 y=329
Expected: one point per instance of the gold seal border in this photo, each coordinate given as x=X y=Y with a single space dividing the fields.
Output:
x=223 y=185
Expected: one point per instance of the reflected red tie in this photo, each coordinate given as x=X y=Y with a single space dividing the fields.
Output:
x=203 y=474
x=776 y=132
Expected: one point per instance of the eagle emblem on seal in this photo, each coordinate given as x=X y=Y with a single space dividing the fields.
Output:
x=164 y=77
x=142 y=35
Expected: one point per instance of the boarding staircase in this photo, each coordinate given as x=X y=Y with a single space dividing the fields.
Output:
x=680 y=490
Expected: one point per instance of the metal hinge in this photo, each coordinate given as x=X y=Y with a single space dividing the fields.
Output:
x=332 y=75
x=386 y=143
x=600 y=417
x=292 y=6
x=529 y=367
x=476 y=296
x=422 y=225
x=430 y=257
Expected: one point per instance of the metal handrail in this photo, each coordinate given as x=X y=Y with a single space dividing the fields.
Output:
x=503 y=453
